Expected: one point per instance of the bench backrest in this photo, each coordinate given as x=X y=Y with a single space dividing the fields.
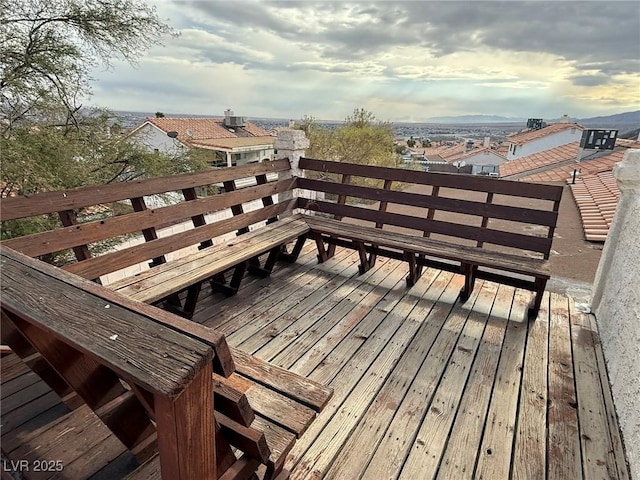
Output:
x=192 y=209
x=471 y=210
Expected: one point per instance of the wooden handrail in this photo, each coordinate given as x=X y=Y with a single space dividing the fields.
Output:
x=93 y=343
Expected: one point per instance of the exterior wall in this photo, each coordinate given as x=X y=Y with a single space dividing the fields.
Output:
x=154 y=138
x=545 y=143
x=485 y=158
x=252 y=156
x=616 y=305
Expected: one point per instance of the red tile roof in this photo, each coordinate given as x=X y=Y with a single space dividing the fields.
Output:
x=585 y=167
x=540 y=159
x=529 y=135
x=597 y=197
x=203 y=128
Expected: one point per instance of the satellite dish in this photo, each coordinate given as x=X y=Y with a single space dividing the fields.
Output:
x=172 y=134
x=189 y=132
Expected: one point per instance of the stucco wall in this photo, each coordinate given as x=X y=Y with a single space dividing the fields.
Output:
x=616 y=305
x=546 y=142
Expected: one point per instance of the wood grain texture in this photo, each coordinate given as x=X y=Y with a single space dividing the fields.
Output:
x=164 y=360
x=458 y=230
x=90 y=232
x=512 y=263
x=111 y=262
x=450 y=180
x=305 y=391
x=186 y=440
x=20 y=207
x=468 y=207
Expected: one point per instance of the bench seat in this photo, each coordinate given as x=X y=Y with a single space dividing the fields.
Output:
x=370 y=241
x=177 y=275
x=420 y=245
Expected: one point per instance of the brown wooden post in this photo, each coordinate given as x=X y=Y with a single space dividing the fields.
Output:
x=198 y=220
x=68 y=219
x=186 y=431
x=485 y=219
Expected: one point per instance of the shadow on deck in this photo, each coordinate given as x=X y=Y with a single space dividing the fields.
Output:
x=424 y=387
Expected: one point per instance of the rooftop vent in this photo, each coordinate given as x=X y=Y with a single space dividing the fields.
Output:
x=235 y=121
x=598 y=139
x=535 y=123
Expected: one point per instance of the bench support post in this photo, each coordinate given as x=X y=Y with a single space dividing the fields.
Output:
x=295 y=253
x=173 y=303
x=469 y=272
x=219 y=282
x=324 y=254
x=414 y=270
x=539 y=285
x=265 y=271
x=366 y=262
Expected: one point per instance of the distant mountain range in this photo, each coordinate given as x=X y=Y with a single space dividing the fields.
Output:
x=475 y=119
x=619 y=119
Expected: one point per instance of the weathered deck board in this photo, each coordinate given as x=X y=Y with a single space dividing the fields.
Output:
x=421 y=382
x=565 y=460
x=530 y=448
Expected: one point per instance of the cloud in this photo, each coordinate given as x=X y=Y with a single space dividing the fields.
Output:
x=325 y=58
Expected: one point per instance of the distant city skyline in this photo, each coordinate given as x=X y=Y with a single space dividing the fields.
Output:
x=404 y=61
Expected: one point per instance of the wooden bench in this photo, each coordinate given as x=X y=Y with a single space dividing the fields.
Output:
x=152 y=377
x=195 y=198
x=443 y=221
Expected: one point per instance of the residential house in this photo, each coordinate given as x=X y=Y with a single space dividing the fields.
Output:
x=588 y=173
x=537 y=140
x=234 y=140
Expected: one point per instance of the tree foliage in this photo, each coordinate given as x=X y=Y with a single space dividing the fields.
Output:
x=361 y=139
x=48 y=139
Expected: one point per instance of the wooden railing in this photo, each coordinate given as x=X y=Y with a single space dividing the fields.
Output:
x=145 y=381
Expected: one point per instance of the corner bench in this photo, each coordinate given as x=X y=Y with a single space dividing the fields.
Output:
x=197 y=216
x=188 y=273
x=462 y=222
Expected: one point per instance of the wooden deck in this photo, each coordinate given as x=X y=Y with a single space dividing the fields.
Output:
x=423 y=387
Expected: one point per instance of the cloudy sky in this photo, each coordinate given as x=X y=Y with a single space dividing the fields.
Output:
x=404 y=61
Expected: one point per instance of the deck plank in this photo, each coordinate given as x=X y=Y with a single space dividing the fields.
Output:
x=353 y=306
x=530 y=446
x=430 y=443
x=391 y=356
x=614 y=428
x=345 y=415
x=595 y=438
x=442 y=336
x=563 y=453
x=494 y=459
x=462 y=447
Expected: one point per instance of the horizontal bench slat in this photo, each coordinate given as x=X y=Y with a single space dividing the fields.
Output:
x=481 y=257
x=174 y=276
x=491 y=210
x=450 y=180
x=86 y=233
x=497 y=237
x=111 y=262
x=301 y=389
x=20 y=207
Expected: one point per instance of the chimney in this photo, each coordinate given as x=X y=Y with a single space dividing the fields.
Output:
x=228 y=113
x=565 y=119
x=487 y=142
x=292 y=124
